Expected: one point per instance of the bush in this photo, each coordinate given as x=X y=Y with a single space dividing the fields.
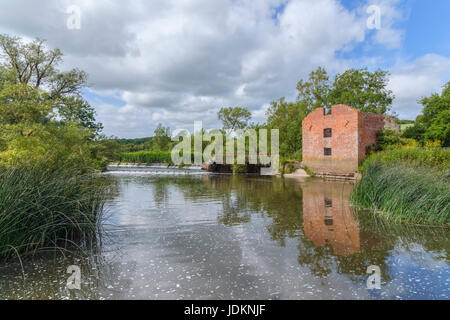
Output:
x=405 y=193
x=436 y=158
x=42 y=208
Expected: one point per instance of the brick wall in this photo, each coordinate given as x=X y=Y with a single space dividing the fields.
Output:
x=344 y=122
x=370 y=123
x=352 y=133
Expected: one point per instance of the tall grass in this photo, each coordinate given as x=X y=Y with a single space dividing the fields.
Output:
x=148 y=157
x=42 y=208
x=405 y=193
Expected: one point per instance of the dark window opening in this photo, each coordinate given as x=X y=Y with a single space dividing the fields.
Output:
x=326 y=111
x=328 y=222
x=327 y=133
x=327 y=151
x=328 y=203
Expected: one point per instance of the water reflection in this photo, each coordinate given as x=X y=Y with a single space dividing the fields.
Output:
x=327 y=217
x=233 y=237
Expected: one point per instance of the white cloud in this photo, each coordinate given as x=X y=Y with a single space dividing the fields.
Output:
x=412 y=81
x=390 y=14
x=176 y=61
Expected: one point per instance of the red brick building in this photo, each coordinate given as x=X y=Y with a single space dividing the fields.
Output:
x=335 y=139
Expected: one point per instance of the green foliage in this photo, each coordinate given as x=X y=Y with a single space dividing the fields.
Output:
x=363 y=90
x=44 y=207
x=433 y=158
x=42 y=115
x=387 y=138
x=287 y=117
x=359 y=88
x=234 y=117
x=133 y=145
x=309 y=171
x=77 y=110
x=20 y=103
x=314 y=92
x=147 y=157
x=404 y=193
x=439 y=128
x=405 y=122
x=161 y=140
x=416 y=132
x=434 y=124
x=35 y=65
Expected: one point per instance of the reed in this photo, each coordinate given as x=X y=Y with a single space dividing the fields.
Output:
x=404 y=192
x=46 y=208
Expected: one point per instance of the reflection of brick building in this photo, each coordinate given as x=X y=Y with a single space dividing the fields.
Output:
x=327 y=218
x=335 y=139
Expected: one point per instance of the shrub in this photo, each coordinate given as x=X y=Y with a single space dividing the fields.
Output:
x=436 y=158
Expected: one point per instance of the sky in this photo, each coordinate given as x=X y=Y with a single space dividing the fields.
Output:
x=179 y=61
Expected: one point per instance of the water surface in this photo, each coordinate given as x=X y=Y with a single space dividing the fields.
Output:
x=186 y=234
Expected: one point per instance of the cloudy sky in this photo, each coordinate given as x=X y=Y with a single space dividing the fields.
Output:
x=176 y=61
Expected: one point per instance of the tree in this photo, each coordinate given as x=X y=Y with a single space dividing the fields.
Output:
x=42 y=114
x=434 y=124
x=363 y=90
x=316 y=91
x=234 y=118
x=288 y=117
x=20 y=103
x=34 y=65
x=75 y=109
x=161 y=139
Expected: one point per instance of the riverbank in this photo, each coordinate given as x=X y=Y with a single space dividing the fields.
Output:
x=410 y=186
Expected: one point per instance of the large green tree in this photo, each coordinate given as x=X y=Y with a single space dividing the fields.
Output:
x=34 y=65
x=434 y=123
x=287 y=117
x=363 y=90
x=234 y=118
x=42 y=112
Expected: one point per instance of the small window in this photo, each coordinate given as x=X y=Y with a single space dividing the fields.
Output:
x=328 y=222
x=327 y=133
x=327 y=151
x=328 y=203
x=326 y=111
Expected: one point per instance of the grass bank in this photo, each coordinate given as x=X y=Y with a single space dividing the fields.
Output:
x=43 y=208
x=404 y=192
x=435 y=158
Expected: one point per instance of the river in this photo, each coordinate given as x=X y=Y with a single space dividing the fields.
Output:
x=188 y=234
